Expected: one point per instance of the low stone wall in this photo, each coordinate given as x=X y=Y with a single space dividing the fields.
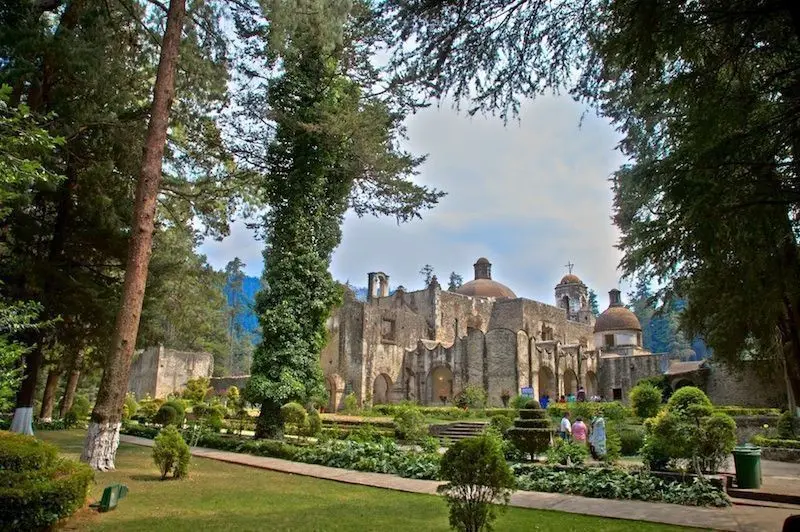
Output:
x=780 y=455
x=749 y=426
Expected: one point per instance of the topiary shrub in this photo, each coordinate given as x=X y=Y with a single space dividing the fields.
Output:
x=472 y=396
x=690 y=401
x=166 y=415
x=478 y=477
x=532 y=431
x=532 y=404
x=197 y=389
x=37 y=488
x=148 y=408
x=314 y=422
x=294 y=414
x=171 y=453
x=645 y=400
x=409 y=424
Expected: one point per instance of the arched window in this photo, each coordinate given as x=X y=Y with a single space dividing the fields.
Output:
x=565 y=303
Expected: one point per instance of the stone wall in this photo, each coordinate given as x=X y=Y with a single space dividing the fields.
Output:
x=159 y=372
x=624 y=372
x=221 y=384
x=745 y=388
x=501 y=365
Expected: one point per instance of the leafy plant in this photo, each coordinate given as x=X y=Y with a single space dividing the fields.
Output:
x=81 y=407
x=501 y=423
x=645 y=400
x=410 y=424
x=171 y=453
x=472 y=396
x=631 y=440
x=130 y=407
x=314 y=422
x=690 y=401
x=477 y=478
x=786 y=423
x=148 y=408
x=350 y=404
x=294 y=414
x=567 y=453
x=518 y=401
x=197 y=389
x=166 y=415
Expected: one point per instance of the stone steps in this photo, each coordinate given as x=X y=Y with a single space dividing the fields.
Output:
x=460 y=430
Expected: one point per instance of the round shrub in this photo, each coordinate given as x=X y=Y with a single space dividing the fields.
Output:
x=81 y=407
x=36 y=487
x=471 y=396
x=70 y=419
x=691 y=401
x=409 y=424
x=293 y=414
x=532 y=404
x=314 y=422
x=166 y=415
x=148 y=408
x=180 y=409
x=645 y=400
x=477 y=476
x=631 y=439
x=171 y=453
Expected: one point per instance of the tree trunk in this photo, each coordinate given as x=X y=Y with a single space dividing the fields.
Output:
x=72 y=385
x=103 y=436
x=269 y=423
x=49 y=397
x=23 y=413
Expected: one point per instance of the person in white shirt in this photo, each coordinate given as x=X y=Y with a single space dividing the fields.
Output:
x=565 y=430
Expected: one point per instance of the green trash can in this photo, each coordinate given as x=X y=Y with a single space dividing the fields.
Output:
x=747 y=459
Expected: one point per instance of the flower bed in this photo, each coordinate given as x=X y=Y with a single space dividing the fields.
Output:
x=610 y=483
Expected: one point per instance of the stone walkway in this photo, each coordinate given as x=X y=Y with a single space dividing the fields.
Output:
x=739 y=517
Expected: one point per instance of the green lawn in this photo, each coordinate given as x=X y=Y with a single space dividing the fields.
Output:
x=220 y=496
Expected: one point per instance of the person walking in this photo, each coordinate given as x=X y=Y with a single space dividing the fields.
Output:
x=579 y=431
x=565 y=429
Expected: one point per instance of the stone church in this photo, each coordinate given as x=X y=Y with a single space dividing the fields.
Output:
x=427 y=345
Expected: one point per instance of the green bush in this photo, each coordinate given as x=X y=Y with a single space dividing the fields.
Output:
x=747 y=411
x=197 y=389
x=645 y=400
x=631 y=440
x=166 y=415
x=81 y=407
x=410 y=424
x=613 y=444
x=171 y=453
x=501 y=423
x=37 y=488
x=148 y=408
x=531 y=432
x=472 y=396
x=70 y=419
x=294 y=414
x=350 y=403
x=130 y=407
x=477 y=476
x=180 y=407
x=567 y=453
x=786 y=424
x=532 y=404
x=690 y=401
x=714 y=441
x=518 y=401
x=314 y=422
x=210 y=416
x=662 y=383
x=761 y=441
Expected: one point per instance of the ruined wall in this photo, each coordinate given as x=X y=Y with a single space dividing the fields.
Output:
x=501 y=364
x=458 y=312
x=625 y=371
x=533 y=315
x=746 y=388
x=159 y=372
x=221 y=384
x=144 y=371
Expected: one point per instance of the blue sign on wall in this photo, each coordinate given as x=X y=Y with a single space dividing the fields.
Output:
x=526 y=391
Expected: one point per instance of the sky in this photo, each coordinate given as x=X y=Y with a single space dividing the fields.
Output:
x=530 y=195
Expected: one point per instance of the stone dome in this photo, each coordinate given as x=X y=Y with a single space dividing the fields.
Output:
x=616 y=317
x=483 y=285
x=486 y=288
x=570 y=278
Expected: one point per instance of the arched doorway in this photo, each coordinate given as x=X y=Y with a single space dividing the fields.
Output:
x=335 y=385
x=681 y=383
x=380 y=389
x=441 y=385
x=547 y=383
x=570 y=382
x=591 y=385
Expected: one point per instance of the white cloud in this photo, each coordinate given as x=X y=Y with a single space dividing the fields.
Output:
x=530 y=196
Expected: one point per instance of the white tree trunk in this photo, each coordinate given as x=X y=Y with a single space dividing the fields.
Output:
x=101 y=445
x=22 y=422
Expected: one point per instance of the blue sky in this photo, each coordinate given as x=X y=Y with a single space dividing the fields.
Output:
x=530 y=196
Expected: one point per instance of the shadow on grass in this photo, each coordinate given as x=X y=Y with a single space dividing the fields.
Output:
x=149 y=478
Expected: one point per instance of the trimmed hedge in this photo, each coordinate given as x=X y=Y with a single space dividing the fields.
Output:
x=446 y=412
x=611 y=410
x=761 y=441
x=37 y=488
x=746 y=411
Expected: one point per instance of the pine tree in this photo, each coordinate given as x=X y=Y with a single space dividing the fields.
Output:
x=455 y=282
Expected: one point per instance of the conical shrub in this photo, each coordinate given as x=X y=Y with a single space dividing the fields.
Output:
x=532 y=432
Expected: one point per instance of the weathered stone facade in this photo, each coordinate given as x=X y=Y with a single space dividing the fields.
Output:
x=427 y=345
x=159 y=372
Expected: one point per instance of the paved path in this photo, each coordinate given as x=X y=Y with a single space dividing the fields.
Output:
x=740 y=517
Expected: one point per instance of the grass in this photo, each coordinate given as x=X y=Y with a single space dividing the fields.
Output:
x=221 y=496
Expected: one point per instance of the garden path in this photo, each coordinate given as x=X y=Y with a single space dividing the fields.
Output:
x=740 y=518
